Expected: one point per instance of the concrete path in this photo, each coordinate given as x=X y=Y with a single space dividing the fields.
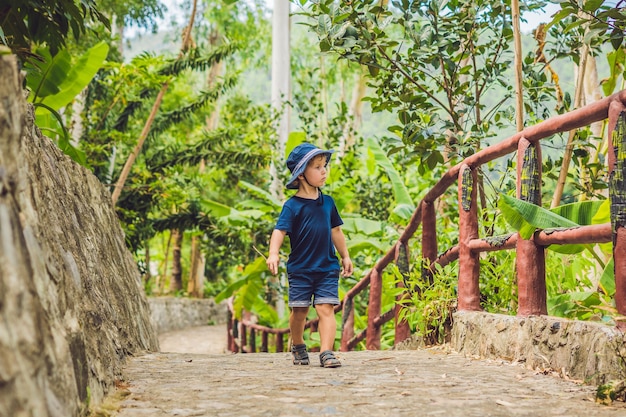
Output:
x=200 y=339
x=373 y=383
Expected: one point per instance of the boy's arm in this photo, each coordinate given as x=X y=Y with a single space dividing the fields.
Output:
x=339 y=240
x=276 y=241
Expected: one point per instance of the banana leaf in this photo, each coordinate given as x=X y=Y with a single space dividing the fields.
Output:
x=59 y=79
x=362 y=226
x=400 y=192
x=575 y=304
x=260 y=193
x=359 y=245
x=54 y=83
x=526 y=218
x=583 y=213
x=607 y=280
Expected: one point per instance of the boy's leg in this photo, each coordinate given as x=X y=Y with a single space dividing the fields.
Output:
x=327 y=327
x=297 y=320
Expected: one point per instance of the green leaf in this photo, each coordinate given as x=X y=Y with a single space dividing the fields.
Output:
x=294 y=139
x=607 y=280
x=592 y=5
x=230 y=290
x=527 y=217
x=581 y=213
x=402 y=213
x=46 y=76
x=267 y=315
x=3 y=51
x=361 y=225
x=79 y=76
x=603 y=214
x=355 y=246
x=399 y=189
x=217 y=209
x=260 y=193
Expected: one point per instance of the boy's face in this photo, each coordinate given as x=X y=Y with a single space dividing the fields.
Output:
x=316 y=171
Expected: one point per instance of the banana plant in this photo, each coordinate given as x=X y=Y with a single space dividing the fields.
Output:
x=526 y=218
x=54 y=82
x=249 y=288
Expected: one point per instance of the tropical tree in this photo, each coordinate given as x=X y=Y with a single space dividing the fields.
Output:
x=26 y=24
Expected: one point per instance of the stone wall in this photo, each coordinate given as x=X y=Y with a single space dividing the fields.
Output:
x=175 y=313
x=589 y=352
x=72 y=307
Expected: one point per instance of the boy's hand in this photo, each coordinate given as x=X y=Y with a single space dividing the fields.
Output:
x=347 y=267
x=272 y=263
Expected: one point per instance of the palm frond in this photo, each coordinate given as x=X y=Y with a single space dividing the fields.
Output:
x=187 y=218
x=195 y=61
x=210 y=149
x=121 y=124
x=166 y=120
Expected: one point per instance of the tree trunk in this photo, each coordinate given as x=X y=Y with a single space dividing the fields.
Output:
x=196 y=270
x=281 y=93
x=569 y=148
x=592 y=93
x=176 y=284
x=517 y=39
x=160 y=280
x=147 y=275
x=195 y=286
x=281 y=82
x=187 y=41
x=355 y=113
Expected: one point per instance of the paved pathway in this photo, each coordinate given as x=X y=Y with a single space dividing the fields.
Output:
x=373 y=383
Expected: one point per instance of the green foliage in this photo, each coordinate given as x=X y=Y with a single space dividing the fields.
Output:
x=31 y=22
x=423 y=59
x=600 y=18
x=249 y=296
x=141 y=13
x=571 y=293
x=429 y=307
x=54 y=82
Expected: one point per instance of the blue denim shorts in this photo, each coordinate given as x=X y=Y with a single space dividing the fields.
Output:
x=321 y=287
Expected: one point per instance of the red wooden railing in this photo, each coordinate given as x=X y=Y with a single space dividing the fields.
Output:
x=530 y=265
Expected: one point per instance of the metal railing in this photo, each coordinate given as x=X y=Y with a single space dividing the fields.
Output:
x=530 y=253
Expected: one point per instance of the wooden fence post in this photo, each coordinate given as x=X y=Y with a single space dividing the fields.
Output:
x=617 y=193
x=347 y=323
x=469 y=262
x=429 y=238
x=280 y=343
x=372 y=341
x=530 y=257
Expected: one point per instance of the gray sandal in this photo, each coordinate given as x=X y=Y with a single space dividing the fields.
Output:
x=300 y=355
x=328 y=360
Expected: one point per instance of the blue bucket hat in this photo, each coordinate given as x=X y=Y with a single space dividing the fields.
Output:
x=299 y=157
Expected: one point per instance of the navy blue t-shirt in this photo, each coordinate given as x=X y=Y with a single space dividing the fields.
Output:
x=308 y=225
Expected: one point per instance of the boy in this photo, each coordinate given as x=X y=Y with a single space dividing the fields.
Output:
x=313 y=224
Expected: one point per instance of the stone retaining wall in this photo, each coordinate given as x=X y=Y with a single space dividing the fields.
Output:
x=590 y=352
x=72 y=306
x=174 y=313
